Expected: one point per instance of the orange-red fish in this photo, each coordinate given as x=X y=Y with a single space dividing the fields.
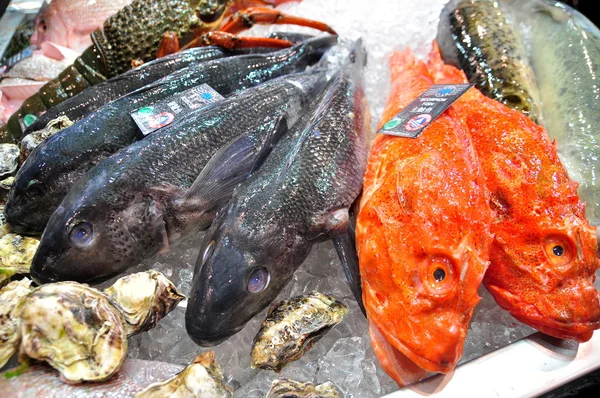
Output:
x=423 y=236
x=543 y=258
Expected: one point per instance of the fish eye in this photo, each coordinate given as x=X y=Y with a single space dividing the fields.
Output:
x=259 y=280
x=559 y=250
x=33 y=188
x=438 y=276
x=208 y=251
x=81 y=234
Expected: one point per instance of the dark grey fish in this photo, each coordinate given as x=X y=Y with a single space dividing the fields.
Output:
x=477 y=37
x=52 y=168
x=301 y=195
x=92 y=98
x=145 y=197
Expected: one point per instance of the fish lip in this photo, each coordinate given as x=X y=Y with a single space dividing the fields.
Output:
x=207 y=339
x=419 y=360
x=564 y=330
x=40 y=279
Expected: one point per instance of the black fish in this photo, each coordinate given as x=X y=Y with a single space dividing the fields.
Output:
x=145 y=197
x=301 y=195
x=52 y=168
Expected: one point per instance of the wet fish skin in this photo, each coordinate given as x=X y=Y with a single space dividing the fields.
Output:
x=475 y=36
x=300 y=196
x=61 y=160
x=565 y=56
x=94 y=97
x=135 y=201
x=543 y=259
x=422 y=234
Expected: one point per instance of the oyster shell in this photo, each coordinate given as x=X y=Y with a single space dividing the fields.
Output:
x=4 y=227
x=76 y=329
x=16 y=254
x=9 y=160
x=287 y=388
x=202 y=379
x=144 y=298
x=11 y=297
x=292 y=327
x=5 y=186
x=32 y=140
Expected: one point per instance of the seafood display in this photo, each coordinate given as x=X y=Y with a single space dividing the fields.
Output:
x=286 y=388
x=203 y=378
x=139 y=33
x=237 y=189
x=52 y=169
x=294 y=200
x=81 y=331
x=132 y=206
x=476 y=36
x=543 y=259
x=424 y=218
x=292 y=327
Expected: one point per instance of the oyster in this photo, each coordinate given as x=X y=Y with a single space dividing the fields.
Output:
x=292 y=327
x=202 y=379
x=76 y=329
x=144 y=299
x=9 y=160
x=32 y=140
x=4 y=227
x=286 y=388
x=16 y=253
x=11 y=297
x=5 y=186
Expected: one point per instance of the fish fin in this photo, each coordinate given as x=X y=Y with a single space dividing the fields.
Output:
x=345 y=247
x=228 y=167
x=159 y=225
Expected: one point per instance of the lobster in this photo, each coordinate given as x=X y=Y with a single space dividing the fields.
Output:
x=144 y=30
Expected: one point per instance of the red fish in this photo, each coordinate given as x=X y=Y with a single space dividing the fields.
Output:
x=543 y=258
x=423 y=236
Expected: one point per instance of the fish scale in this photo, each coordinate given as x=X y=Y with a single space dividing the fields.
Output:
x=60 y=160
x=301 y=195
x=135 y=200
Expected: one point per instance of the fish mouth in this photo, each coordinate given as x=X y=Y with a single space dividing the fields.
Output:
x=423 y=362
x=530 y=315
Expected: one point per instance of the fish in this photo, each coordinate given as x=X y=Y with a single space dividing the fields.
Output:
x=543 y=258
x=422 y=235
x=479 y=37
x=94 y=97
x=145 y=197
x=565 y=54
x=49 y=172
x=299 y=196
x=293 y=327
x=69 y=23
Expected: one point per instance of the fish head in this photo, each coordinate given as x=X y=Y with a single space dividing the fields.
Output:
x=240 y=271
x=50 y=26
x=544 y=274
x=422 y=258
x=96 y=233
x=40 y=185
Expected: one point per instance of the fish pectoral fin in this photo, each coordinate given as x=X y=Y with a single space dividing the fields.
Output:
x=345 y=247
x=229 y=166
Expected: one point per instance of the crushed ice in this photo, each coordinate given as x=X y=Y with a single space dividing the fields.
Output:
x=344 y=355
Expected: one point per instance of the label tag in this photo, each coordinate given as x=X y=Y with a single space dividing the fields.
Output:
x=10 y=62
x=153 y=117
x=416 y=116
